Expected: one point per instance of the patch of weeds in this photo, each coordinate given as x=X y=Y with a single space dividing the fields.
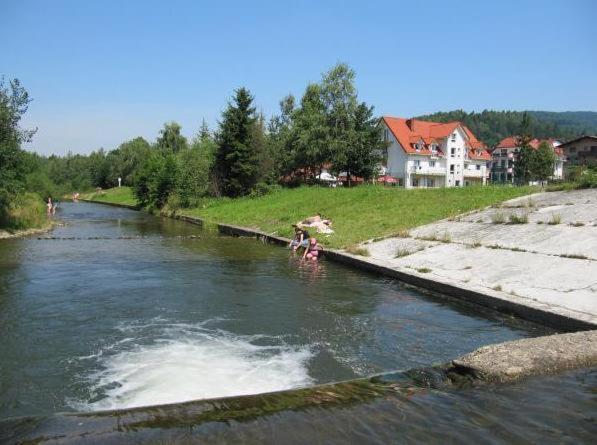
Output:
x=403 y=234
x=555 y=219
x=402 y=253
x=569 y=203
x=539 y=222
x=519 y=219
x=358 y=250
x=497 y=288
x=577 y=224
x=494 y=246
x=480 y=220
x=477 y=244
x=513 y=293
x=498 y=218
x=446 y=238
x=530 y=203
x=575 y=256
x=467 y=267
x=517 y=249
x=429 y=237
x=423 y=270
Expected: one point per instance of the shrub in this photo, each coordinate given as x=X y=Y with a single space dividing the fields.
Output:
x=25 y=211
x=555 y=219
x=498 y=218
x=519 y=219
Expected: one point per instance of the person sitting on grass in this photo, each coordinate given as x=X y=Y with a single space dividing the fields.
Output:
x=301 y=238
x=312 y=250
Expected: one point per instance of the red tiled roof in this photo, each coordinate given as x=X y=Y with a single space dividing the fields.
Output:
x=513 y=142
x=409 y=131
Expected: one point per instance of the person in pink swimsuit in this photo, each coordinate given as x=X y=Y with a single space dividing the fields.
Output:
x=312 y=250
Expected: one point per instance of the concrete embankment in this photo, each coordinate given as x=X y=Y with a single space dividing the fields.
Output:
x=499 y=363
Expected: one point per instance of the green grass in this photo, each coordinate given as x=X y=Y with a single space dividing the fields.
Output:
x=358 y=214
x=26 y=211
x=117 y=195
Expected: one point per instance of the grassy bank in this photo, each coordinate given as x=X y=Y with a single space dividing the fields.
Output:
x=26 y=211
x=358 y=213
x=117 y=195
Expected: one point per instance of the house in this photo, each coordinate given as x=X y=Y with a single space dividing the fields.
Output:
x=431 y=154
x=581 y=151
x=504 y=156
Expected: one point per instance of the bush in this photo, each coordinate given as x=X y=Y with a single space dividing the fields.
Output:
x=25 y=211
x=262 y=189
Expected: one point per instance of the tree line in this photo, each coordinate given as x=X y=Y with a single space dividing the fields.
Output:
x=245 y=155
x=492 y=126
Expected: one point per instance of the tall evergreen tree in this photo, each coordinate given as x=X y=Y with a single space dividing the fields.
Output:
x=237 y=160
x=204 y=133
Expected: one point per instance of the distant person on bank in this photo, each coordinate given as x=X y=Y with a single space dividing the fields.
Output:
x=49 y=206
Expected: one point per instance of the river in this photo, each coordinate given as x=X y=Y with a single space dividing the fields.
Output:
x=117 y=309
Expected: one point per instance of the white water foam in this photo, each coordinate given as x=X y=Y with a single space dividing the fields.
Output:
x=191 y=362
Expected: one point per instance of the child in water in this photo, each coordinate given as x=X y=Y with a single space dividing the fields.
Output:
x=301 y=238
x=312 y=250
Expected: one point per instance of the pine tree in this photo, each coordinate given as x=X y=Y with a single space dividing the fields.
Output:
x=237 y=160
x=204 y=133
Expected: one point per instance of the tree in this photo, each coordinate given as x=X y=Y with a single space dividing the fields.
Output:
x=543 y=162
x=523 y=166
x=204 y=133
x=126 y=160
x=361 y=154
x=170 y=139
x=156 y=180
x=14 y=102
x=194 y=167
x=236 y=160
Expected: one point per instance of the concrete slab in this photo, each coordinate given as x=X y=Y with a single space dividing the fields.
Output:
x=553 y=265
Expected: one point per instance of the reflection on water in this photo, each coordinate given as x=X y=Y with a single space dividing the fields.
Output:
x=115 y=320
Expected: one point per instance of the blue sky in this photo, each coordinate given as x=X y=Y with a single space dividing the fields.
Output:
x=106 y=71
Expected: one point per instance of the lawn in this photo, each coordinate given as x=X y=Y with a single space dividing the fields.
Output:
x=358 y=213
x=117 y=195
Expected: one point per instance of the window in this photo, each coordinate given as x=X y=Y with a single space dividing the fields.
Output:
x=386 y=135
x=452 y=168
x=572 y=149
x=417 y=163
x=452 y=152
x=478 y=166
x=503 y=163
x=454 y=137
x=504 y=152
x=431 y=163
x=431 y=182
x=457 y=183
x=415 y=182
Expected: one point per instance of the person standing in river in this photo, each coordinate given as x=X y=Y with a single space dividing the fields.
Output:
x=49 y=206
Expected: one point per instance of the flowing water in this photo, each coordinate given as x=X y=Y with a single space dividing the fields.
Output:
x=122 y=309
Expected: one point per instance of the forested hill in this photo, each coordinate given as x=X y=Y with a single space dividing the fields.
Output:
x=492 y=126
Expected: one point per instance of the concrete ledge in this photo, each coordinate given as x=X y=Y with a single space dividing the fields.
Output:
x=510 y=361
x=228 y=229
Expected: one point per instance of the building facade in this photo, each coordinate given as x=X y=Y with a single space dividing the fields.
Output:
x=581 y=151
x=504 y=154
x=423 y=154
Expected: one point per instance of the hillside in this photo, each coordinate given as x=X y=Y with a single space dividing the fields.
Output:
x=491 y=126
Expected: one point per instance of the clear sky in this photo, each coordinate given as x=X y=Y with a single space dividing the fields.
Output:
x=106 y=71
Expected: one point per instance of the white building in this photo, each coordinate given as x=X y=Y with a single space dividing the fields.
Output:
x=431 y=154
x=505 y=153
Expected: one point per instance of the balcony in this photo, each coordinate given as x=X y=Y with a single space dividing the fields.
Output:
x=433 y=171
x=470 y=173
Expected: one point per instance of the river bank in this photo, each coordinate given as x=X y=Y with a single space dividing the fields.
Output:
x=358 y=213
